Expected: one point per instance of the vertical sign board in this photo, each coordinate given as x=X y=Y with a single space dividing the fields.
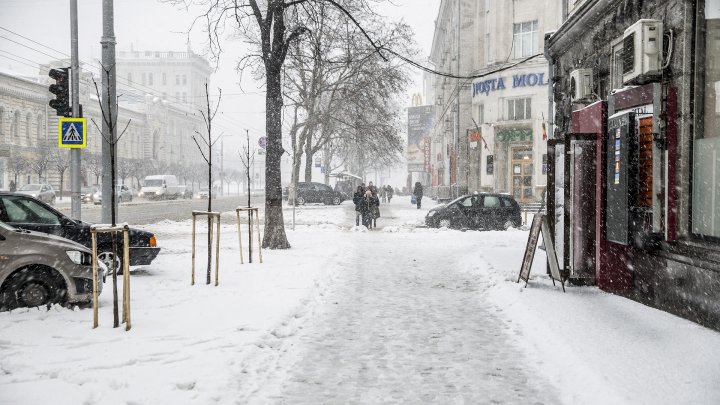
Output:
x=619 y=140
x=72 y=133
x=420 y=125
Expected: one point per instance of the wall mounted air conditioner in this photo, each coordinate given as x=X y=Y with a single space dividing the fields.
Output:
x=642 y=51
x=581 y=84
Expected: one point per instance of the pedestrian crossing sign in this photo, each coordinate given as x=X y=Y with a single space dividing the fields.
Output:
x=72 y=132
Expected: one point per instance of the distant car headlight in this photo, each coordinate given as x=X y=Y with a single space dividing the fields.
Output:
x=140 y=194
x=431 y=213
x=75 y=256
x=160 y=192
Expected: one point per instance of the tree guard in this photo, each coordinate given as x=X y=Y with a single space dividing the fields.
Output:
x=252 y=212
x=125 y=229
x=213 y=218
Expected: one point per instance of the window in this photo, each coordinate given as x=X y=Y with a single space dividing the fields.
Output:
x=706 y=145
x=23 y=210
x=150 y=79
x=479 y=114
x=177 y=79
x=184 y=97
x=524 y=39
x=544 y=164
x=490 y=164
x=616 y=63
x=519 y=109
x=164 y=79
x=491 y=201
x=184 y=79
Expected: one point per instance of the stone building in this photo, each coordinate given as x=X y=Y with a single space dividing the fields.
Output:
x=159 y=133
x=635 y=157
x=495 y=141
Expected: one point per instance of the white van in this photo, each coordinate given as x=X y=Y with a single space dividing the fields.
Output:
x=160 y=187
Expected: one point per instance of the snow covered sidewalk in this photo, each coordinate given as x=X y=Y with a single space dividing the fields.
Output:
x=394 y=315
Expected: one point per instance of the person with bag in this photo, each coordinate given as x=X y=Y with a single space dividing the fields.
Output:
x=357 y=200
x=418 y=194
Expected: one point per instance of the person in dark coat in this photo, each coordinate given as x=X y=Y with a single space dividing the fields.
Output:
x=376 y=208
x=367 y=208
x=357 y=200
x=389 y=191
x=418 y=193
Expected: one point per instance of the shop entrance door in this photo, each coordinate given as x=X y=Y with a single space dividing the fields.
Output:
x=522 y=174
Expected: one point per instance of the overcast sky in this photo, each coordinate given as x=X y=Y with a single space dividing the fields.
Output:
x=152 y=25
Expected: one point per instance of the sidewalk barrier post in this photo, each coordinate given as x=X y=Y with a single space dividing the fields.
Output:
x=214 y=220
x=253 y=213
x=125 y=230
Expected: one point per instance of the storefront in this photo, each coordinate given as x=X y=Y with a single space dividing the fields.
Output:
x=510 y=110
x=635 y=158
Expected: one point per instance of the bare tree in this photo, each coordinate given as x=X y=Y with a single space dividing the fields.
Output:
x=209 y=142
x=17 y=165
x=111 y=122
x=247 y=157
x=61 y=162
x=40 y=160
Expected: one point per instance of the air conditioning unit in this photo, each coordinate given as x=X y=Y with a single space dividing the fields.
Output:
x=581 y=83
x=642 y=51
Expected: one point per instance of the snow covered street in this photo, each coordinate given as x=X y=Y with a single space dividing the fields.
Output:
x=400 y=314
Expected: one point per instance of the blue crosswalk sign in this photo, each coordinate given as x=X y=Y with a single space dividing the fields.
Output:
x=72 y=133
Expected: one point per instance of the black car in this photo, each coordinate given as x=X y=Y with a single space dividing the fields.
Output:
x=476 y=211
x=308 y=192
x=23 y=211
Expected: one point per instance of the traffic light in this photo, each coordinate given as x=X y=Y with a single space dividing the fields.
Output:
x=61 y=90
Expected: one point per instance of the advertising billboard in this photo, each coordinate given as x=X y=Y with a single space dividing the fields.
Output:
x=420 y=125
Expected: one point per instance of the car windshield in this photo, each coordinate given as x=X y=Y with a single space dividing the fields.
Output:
x=153 y=183
x=30 y=187
x=6 y=226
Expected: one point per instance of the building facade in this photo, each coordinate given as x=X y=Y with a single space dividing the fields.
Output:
x=635 y=155
x=490 y=123
x=159 y=131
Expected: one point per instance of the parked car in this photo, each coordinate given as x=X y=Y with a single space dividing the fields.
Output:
x=122 y=192
x=39 y=269
x=43 y=192
x=204 y=193
x=160 y=187
x=476 y=211
x=22 y=211
x=86 y=194
x=309 y=192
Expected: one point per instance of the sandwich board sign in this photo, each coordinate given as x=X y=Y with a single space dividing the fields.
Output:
x=72 y=133
x=540 y=224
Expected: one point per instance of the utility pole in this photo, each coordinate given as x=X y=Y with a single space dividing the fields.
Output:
x=75 y=156
x=108 y=99
x=457 y=113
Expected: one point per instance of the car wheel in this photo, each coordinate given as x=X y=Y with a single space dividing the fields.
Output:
x=445 y=223
x=107 y=259
x=336 y=201
x=33 y=287
x=300 y=201
x=33 y=294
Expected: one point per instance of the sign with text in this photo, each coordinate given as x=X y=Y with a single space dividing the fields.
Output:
x=486 y=86
x=420 y=125
x=514 y=135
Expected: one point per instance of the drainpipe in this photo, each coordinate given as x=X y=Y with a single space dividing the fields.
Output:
x=551 y=116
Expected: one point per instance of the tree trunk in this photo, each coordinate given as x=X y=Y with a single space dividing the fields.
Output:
x=308 y=159
x=275 y=237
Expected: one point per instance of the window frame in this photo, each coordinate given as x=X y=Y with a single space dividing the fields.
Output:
x=519 y=36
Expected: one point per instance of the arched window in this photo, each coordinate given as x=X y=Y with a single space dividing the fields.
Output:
x=40 y=138
x=15 y=129
x=3 y=135
x=28 y=124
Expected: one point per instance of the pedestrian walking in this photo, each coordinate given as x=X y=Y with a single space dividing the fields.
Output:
x=383 y=194
x=358 y=200
x=418 y=193
x=389 y=192
x=367 y=208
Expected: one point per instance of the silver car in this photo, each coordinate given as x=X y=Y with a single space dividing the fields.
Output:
x=41 y=269
x=43 y=192
x=122 y=193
